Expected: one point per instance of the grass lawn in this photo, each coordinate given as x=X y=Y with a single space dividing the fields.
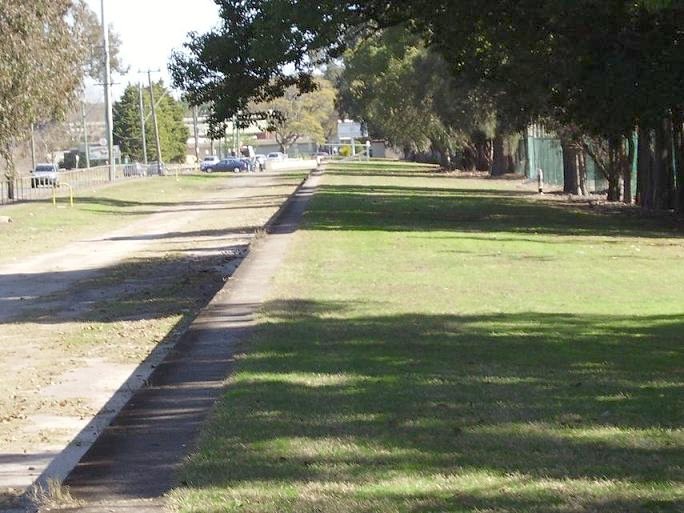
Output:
x=440 y=344
x=38 y=226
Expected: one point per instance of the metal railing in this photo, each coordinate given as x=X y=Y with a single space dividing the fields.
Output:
x=33 y=188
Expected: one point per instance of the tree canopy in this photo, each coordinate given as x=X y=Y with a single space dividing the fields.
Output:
x=601 y=67
x=302 y=115
x=46 y=49
x=173 y=134
x=539 y=58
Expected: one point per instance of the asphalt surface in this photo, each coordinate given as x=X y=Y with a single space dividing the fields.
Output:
x=133 y=463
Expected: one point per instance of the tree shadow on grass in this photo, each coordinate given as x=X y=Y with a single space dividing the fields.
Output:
x=513 y=412
x=427 y=209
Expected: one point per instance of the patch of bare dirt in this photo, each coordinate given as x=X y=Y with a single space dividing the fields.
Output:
x=76 y=322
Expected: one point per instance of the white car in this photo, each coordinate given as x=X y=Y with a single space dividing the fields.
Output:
x=276 y=155
x=209 y=162
x=45 y=174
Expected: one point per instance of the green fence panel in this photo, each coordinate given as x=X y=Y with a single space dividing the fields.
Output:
x=547 y=153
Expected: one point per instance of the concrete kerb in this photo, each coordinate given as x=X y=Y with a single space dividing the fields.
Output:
x=60 y=467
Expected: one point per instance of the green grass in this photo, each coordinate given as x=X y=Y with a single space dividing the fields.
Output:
x=39 y=226
x=438 y=344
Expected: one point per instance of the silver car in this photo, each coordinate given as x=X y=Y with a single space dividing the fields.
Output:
x=45 y=175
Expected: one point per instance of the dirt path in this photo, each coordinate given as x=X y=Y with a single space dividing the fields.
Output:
x=133 y=463
x=75 y=324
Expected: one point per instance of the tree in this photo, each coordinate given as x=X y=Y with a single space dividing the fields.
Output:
x=404 y=93
x=173 y=133
x=45 y=48
x=40 y=67
x=301 y=115
x=601 y=66
x=91 y=31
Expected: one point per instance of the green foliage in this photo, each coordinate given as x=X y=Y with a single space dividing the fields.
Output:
x=173 y=134
x=405 y=94
x=601 y=67
x=40 y=66
x=45 y=47
x=595 y=64
x=300 y=115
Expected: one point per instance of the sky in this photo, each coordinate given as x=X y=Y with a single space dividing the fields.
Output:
x=150 y=30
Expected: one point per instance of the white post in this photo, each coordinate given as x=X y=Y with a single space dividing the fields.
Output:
x=540 y=180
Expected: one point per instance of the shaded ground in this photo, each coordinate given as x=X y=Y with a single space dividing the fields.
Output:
x=438 y=344
x=77 y=321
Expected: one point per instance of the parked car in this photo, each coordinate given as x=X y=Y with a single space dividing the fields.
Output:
x=260 y=160
x=45 y=175
x=250 y=163
x=276 y=155
x=156 y=168
x=234 y=164
x=209 y=162
x=134 y=169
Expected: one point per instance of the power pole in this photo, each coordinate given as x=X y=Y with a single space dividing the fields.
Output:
x=108 y=96
x=154 y=120
x=85 y=134
x=142 y=121
x=196 y=130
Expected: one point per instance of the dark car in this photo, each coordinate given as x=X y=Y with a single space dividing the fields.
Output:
x=234 y=164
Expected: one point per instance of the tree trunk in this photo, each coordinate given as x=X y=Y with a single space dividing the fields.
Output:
x=627 y=171
x=613 y=187
x=469 y=158
x=10 y=189
x=483 y=160
x=678 y=136
x=570 y=168
x=645 y=168
x=614 y=168
x=502 y=159
x=581 y=167
x=662 y=169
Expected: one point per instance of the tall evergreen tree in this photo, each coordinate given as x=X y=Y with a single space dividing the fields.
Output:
x=173 y=133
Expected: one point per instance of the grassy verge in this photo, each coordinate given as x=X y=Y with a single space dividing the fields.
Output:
x=39 y=226
x=437 y=344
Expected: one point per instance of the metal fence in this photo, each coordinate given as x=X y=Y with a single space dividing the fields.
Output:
x=541 y=150
x=31 y=188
